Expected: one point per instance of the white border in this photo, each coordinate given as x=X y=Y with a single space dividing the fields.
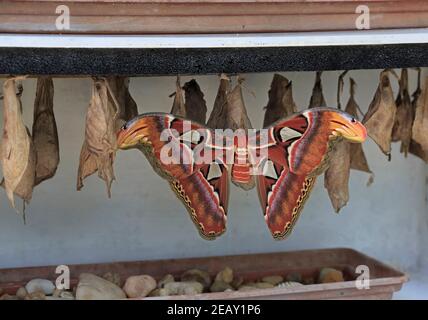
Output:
x=303 y=39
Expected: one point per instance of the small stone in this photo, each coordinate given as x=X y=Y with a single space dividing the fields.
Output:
x=21 y=293
x=139 y=286
x=229 y=290
x=66 y=295
x=166 y=279
x=274 y=280
x=185 y=287
x=197 y=275
x=92 y=287
x=225 y=275
x=246 y=288
x=42 y=285
x=37 y=295
x=113 y=277
x=220 y=286
x=159 y=292
x=289 y=284
x=8 y=297
x=329 y=275
x=294 y=277
x=237 y=281
x=264 y=285
x=56 y=293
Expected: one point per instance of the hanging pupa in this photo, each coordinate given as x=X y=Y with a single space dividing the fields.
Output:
x=358 y=158
x=415 y=147
x=379 y=119
x=317 y=98
x=281 y=103
x=345 y=157
x=44 y=132
x=18 y=158
x=420 y=124
x=218 y=114
x=336 y=177
x=99 y=148
x=193 y=105
x=402 y=130
x=127 y=106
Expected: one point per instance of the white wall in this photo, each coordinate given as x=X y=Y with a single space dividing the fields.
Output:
x=144 y=220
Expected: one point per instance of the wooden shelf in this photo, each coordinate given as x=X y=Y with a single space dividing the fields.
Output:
x=207 y=16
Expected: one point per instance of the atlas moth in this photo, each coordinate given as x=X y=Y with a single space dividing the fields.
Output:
x=286 y=158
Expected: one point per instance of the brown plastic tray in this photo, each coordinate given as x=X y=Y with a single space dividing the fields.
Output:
x=384 y=279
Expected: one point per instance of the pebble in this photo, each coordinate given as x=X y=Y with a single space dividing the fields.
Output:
x=274 y=280
x=159 y=292
x=237 y=281
x=329 y=275
x=185 y=287
x=225 y=275
x=166 y=279
x=197 y=275
x=66 y=295
x=56 y=292
x=8 y=297
x=38 y=295
x=43 y=285
x=289 y=284
x=139 y=286
x=54 y=298
x=264 y=285
x=113 y=277
x=21 y=293
x=246 y=288
x=220 y=286
x=92 y=287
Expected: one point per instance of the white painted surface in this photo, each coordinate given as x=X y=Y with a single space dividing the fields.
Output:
x=289 y=39
x=144 y=220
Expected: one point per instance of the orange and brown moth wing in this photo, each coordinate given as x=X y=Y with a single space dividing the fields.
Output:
x=203 y=188
x=206 y=195
x=282 y=195
x=297 y=151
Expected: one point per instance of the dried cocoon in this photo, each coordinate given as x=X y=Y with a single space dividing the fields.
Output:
x=45 y=134
x=317 y=98
x=18 y=158
x=99 y=148
x=420 y=124
x=402 y=129
x=192 y=106
x=380 y=117
x=281 y=103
